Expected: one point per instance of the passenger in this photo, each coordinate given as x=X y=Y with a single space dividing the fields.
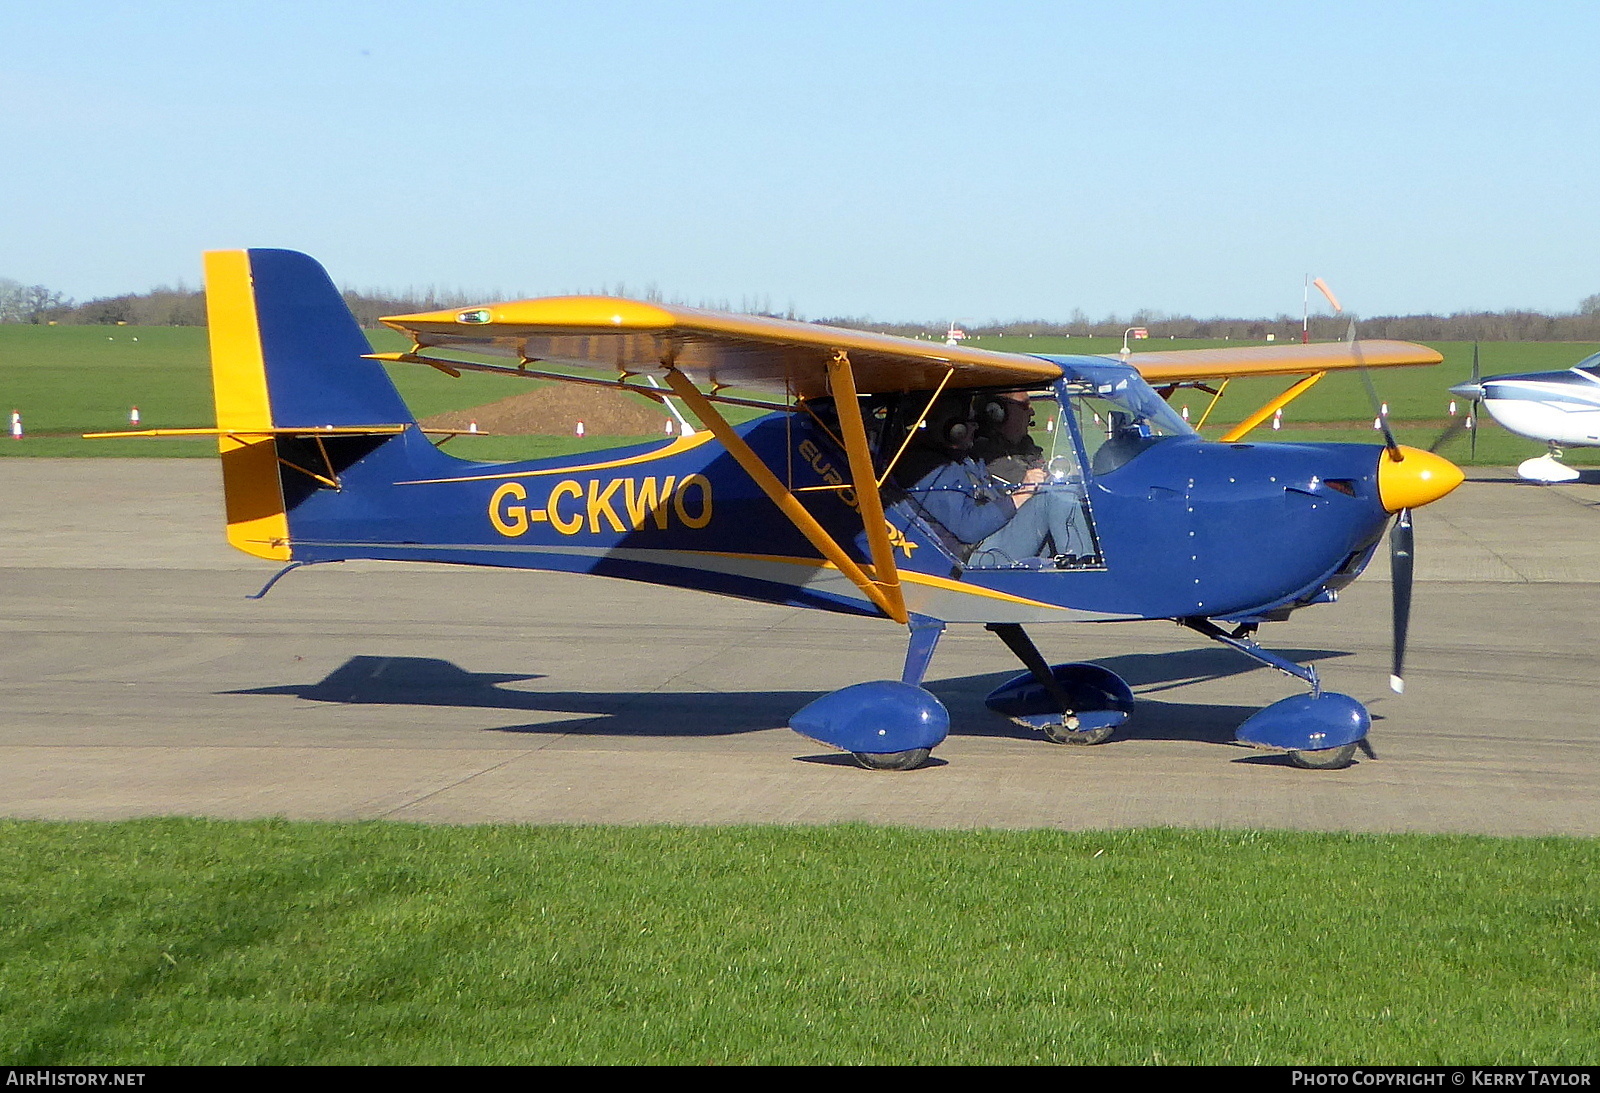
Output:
x=994 y=525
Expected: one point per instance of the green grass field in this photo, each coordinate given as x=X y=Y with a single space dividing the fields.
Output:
x=68 y=380
x=188 y=941
x=201 y=942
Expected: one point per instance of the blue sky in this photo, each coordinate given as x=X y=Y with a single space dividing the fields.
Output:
x=899 y=161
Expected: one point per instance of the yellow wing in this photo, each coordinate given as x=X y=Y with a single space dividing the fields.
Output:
x=1187 y=365
x=1308 y=362
x=712 y=348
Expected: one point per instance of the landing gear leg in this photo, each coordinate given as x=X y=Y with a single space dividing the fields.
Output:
x=1320 y=731
x=1022 y=646
x=925 y=635
x=1069 y=703
x=886 y=724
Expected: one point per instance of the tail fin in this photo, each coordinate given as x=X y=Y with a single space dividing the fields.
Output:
x=286 y=354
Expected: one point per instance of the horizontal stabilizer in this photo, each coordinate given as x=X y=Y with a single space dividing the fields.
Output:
x=301 y=430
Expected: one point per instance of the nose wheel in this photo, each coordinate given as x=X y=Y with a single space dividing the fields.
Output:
x=894 y=760
x=1059 y=733
x=1325 y=759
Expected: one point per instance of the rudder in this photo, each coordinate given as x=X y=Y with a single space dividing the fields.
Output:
x=286 y=354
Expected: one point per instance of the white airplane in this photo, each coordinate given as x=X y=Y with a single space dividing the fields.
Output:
x=1560 y=408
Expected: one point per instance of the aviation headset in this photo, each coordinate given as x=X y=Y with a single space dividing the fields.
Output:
x=992 y=411
x=953 y=422
x=958 y=420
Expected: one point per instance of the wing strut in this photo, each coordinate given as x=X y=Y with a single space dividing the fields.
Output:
x=1216 y=397
x=786 y=501
x=1271 y=407
x=845 y=401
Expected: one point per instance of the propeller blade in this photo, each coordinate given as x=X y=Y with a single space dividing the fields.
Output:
x=1450 y=432
x=1377 y=404
x=1477 y=383
x=1402 y=558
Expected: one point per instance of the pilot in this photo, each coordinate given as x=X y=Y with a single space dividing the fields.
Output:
x=1003 y=443
x=995 y=524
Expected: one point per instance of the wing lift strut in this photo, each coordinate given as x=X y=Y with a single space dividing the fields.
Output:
x=882 y=585
x=884 y=724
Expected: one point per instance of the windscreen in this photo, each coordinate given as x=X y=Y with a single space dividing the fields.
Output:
x=1117 y=415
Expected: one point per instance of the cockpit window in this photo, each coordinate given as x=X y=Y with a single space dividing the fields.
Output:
x=975 y=473
x=1118 y=418
x=1590 y=364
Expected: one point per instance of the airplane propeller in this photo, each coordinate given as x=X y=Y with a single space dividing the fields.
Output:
x=1473 y=390
x=1378 y=415
x=1402 y=555
x=1451 y=431
x=1402 y=550
x=1477 y=402
x=1402 y=566
x=1402 y=540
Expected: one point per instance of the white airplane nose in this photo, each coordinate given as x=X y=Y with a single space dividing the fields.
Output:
x=1467 y=390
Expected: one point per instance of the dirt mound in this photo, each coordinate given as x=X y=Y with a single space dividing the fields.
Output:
x=556 y=409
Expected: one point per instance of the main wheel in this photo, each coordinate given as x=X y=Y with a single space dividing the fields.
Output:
x=1325 y=758
x=1057 y=733
x=893 y=760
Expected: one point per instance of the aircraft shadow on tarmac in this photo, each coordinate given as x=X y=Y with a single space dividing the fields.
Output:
x=431 y=682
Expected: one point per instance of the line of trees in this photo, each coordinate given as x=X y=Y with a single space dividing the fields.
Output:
x=1486 y=326
x=180 y=306
x=21 y=303
x=1582 y=325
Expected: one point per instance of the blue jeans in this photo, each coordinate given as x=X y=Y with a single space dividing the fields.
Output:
x=1052 y=515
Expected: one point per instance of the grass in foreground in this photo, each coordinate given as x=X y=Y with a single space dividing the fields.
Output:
x=186 y=941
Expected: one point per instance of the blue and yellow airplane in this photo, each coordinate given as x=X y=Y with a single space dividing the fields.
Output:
x=872 y=487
